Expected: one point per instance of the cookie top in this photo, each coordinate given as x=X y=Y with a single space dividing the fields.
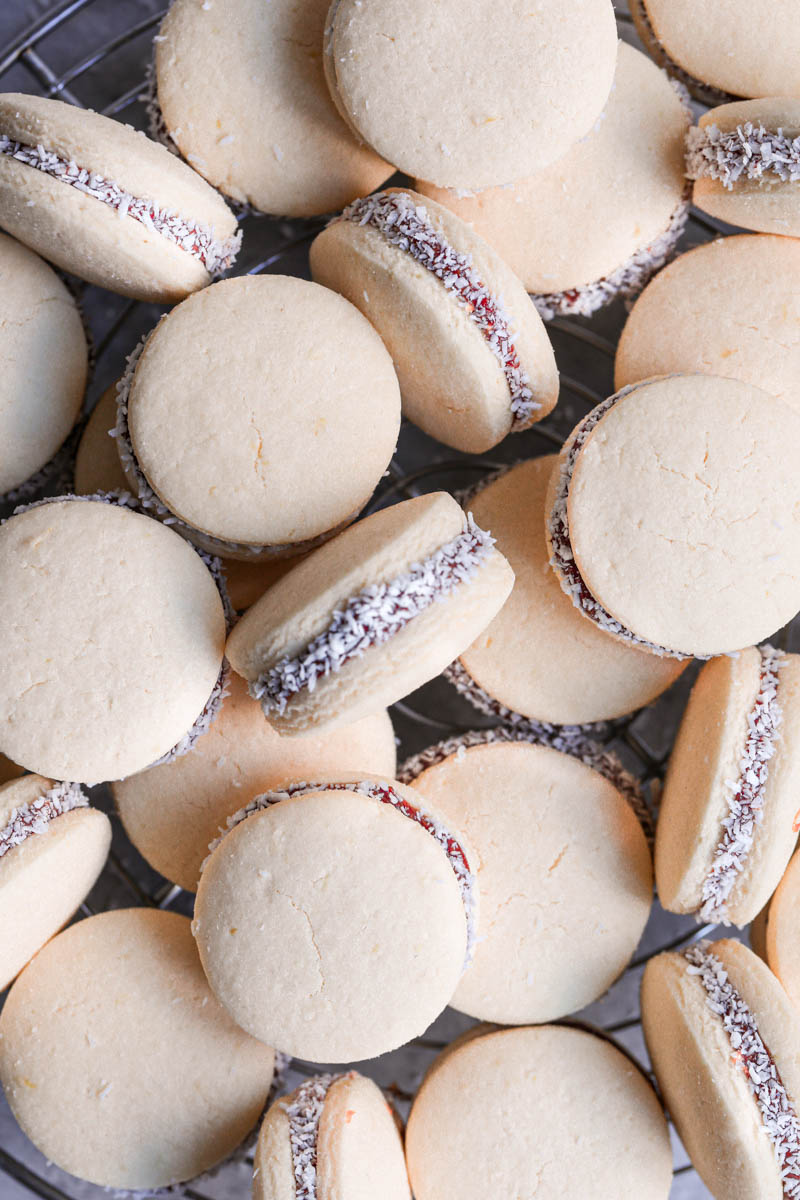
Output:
x=97 y=464
x=539 y=657
x=114 y=639
x=564 y=1106
x=707 y=506
x=332 y=921
x=730 y=307
x=783 y=928
x=512 y=90
x=472 y=356
x=613 y=193
x=333 y=1138
x=273 y=138
x=52 y=848
x=118 y=1062
x=723 y=45
x=564 y=875
x=174 y=811
x=104 y=202
x=45 y=363
x=263 y=411
x=725 y=829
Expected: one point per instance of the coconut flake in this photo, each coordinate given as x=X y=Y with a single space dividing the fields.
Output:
x=779 y=1119
x=745 y=795
x=749 y=151
x=194 y=237
x=373 y=616
x=408 y=226
x=35 y=817
x=304 y=1110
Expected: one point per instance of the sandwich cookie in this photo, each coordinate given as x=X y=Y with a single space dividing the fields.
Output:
x=258 y=417
x=105 y=203
x=744 y=159
x=782 y=941
x=320 y=900
x=174 y=811
x=671 y=494
x=539 y=659
x=552 y=1111
x=563 y=871
x=272 y=138
x=97 y=464
x=118 y=1062
x=723 y=1038
x=727 y=825
x=512 y=89
x=370 y=617
x=52 y=849
x=597 y=223
x=333 y=1138
x=45 y=365
x=472 y=356
x=730 y=307
x=113 y=644
x=723 y=50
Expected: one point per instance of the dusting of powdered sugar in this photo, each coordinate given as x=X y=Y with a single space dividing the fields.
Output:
x=35 y=817
x=386 y=793
x=408 y=226
x=562 y=558
x=194 y=237
x=373 y=616
x=749 y=151
x=745 y=795
x=304 y=1110
x=779 y=1118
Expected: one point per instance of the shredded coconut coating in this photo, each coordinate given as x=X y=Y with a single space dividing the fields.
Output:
x=745 y=794
x=408 y=226
x=304 y=1110
x=575 y=740
x=384 y=791
x=778 y=1116
x=373 y=616
x=33 y=818
x=747 y=152
x=563 y=560
x=192 y=236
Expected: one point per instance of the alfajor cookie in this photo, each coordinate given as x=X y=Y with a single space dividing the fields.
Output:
x=597 y=223
x=744 y=159
x=113 y=640
x=335 y=1136
x=105 y=203
x=563 y=872
x=371 y=616
x=174 y=811
x=724 y=49
x=472 y=356
x=272 y=138
x=554 y=1112
x=247 y=581
x=45 y=364
x=118 y=1062
x=783 y=928
x=258 y=416
x=335 y=918
x=469 y=95
x=727 y=824
x=723 y=1038
x=674 y=515
x=730 y=307
x=97 y=464
x=539 y=659
x=52 y=849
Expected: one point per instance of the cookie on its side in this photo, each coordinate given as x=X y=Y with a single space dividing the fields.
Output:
x=783 y=928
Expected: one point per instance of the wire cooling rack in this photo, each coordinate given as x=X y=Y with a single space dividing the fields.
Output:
x=95 y=53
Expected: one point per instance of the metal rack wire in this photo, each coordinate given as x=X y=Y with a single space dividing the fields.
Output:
x=95 y=53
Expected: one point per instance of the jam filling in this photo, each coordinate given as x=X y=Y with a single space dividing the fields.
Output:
x=35 y=817
x=195 y=238
x=373 y=616
x=747 y=152
x=749 y=1053
x=746 y=794
x=386 y=794
x=407 y=225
